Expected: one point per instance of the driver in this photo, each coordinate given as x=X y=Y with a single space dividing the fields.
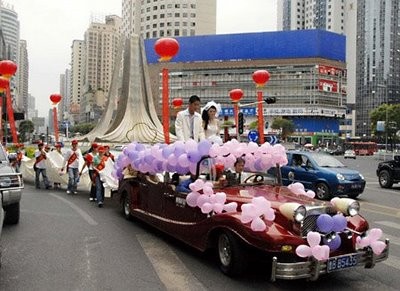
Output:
x=236 y=176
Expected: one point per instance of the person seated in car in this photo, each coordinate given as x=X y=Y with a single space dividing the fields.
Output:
x=183 y=186
x=297 y=161
x=235 y=176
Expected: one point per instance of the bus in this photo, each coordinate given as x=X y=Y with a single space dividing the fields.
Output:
x=362 y=148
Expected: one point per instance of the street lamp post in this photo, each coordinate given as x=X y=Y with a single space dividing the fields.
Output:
x=386 y=114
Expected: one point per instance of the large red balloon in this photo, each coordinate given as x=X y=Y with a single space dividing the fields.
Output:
x=177 y=102
x=236 y=95
x=4 y=83
x=261 y=77
x=55 y=98
x=166 y=48
x=7 y=68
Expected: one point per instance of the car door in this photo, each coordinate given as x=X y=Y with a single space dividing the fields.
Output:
x=301 y=170
x=151 y=196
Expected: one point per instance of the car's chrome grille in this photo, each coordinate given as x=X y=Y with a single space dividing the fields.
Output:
x=310 y=222
x=12 y=181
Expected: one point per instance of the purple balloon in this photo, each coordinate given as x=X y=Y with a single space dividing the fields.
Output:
x=167 y=151
x=339 y=223
x=179 y=149
x=324 y=223
x=140 y=147
x=333 y=244
x=148 y=159
x=204 y=147
x=193 y=156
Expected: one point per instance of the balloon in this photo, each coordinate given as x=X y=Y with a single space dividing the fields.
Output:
x=339 y=223
x=206 y=208
x=303 y=251
x=375 y=234
x=204 y=147
x=258 y=224
x=196 y=185
x=179 y=148
x=191 y=199
x=324 y=223
x=378 y=247
x=313 y=238
x=190 y=145
x=334 y=244
x=363 y=242
x=220 y=197
x=230 y=207
x=218 y=207
x=201 y=200
x=183 y=160
x=172 y=160
x=167 y=151
x=208 y=190
x=193 y=156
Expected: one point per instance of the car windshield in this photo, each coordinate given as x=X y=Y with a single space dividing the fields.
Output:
x=212 y=170
x=327 y=161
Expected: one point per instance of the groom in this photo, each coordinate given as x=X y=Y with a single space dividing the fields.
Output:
x=188 y=123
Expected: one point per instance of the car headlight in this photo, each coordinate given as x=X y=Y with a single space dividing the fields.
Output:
x=361 y=176
x=5 y=181
x=340 y=176
x=293 y=211
x=347 y=206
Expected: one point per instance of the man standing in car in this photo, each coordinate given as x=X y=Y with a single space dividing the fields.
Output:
x=188 y=123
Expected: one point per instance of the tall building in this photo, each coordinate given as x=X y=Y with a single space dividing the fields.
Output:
x=102 y=41
x=23 y=77
x=32 y=111
x=65 y=91
x=77 y=79
x=378 y=59
x=169 y=18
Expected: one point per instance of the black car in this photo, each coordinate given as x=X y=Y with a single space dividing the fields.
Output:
x=388 y=172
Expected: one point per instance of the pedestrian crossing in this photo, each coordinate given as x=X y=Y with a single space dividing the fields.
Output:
x=394 y=241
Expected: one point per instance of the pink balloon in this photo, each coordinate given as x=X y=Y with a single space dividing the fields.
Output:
x=321 y=253
x=313 y=238
x=218 y=207
x=214 y=150
x=374 y=234
x=190 y=145
x=363 y=242
x=310 y=193
x=220 y=197
x=252 y=147
x=269 y=214
x=206 y=208
x=196 y=185
x=191 y=199
x=230 y=207
x=303 y=251
x=202 y=199
x=378 y=247
x=261 y=203
x=208 y=190
x=248 y=209
x=246 y=218
x=258 y=224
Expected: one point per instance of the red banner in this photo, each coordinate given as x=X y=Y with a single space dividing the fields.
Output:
x=327 y=85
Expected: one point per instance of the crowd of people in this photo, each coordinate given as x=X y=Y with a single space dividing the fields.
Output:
x=94 y=158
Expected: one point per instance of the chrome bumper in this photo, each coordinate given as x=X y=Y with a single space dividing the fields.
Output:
x=312 y=269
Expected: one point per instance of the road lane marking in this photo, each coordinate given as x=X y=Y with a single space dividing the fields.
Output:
x=392 y=239
x=169 y=268
x=389 y=224
x=376 y=208
x=80 y=211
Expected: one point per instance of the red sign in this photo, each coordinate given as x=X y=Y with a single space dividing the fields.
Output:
x=327 y=85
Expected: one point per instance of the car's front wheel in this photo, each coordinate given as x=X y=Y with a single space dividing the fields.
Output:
x=322 y=191
x=12 y=214
x=231 y=255
x=385 y=179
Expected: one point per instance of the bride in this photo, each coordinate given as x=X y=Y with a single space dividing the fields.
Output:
x=210 y=121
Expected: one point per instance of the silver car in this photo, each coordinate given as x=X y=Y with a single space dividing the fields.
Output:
x=349 y=154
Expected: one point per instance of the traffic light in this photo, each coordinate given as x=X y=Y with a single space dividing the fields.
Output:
x=240 y=123
x=270 y=100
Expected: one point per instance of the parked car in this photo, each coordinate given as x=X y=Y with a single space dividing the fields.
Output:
x=388 y=172
x=349 y=154
x=11 y=185
x=225 y=223
x=324 y=174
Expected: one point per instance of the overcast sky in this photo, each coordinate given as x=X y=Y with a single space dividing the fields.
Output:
x=50 y=26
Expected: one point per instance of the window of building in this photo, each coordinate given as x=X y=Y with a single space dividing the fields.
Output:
x=193 y=15
x=176 y=32
x=162 y=15
x=177 y=15
x=154 y=33
x=184 y=14
x=177 y=6
x=177 y=23
x=169 y=23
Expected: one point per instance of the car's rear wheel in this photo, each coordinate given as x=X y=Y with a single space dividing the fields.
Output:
x=385 y=179
x=126 y=206
x=231 y=254
x=12 y=213
x=322 y=191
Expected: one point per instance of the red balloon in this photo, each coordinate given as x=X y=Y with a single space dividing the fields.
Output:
x=236 y=95
x=7 y=68
x=55 y=98
x=177 y=102
x=261 y=77
x=166 y=48
x=4 y=83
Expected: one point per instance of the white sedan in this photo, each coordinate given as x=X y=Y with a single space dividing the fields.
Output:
x=350 y=154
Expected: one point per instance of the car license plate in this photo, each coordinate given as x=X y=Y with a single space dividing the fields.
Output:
x=355 y=186
x=342 y=262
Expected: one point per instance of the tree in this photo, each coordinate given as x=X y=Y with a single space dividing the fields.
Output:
x=389 y=113
x=286 y=126
x=83 y=128
x=26 y=127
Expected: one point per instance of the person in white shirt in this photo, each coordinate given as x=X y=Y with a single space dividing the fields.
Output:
x=188 y=123
x=40 y=167
x=71 y=161
x=211 y=124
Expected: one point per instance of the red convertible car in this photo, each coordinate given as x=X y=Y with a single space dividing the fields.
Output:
x=300 y=237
